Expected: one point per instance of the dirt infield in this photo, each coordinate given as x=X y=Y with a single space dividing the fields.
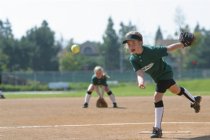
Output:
x=65 y=119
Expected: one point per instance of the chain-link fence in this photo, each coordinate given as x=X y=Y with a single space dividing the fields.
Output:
x=22 y=78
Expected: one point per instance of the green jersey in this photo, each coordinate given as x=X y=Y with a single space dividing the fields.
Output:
x=152 y=63
x=97 y=81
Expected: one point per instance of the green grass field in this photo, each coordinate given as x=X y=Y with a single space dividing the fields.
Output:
x=196 y=87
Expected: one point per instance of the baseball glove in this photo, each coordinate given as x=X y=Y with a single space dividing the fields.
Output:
x=101 y=103
x=186 y=38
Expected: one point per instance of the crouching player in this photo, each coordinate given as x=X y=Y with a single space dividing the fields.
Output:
x=99 y=79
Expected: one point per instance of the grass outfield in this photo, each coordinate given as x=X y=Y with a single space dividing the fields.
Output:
x=196 y=87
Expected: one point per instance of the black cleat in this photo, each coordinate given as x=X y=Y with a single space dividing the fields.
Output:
x=196 y=104
x=2 y=97
x=114 y=105
x=156 y=133
x=85 y=105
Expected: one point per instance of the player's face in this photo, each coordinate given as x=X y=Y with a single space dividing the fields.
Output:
x=133 y=46
x=99 y=74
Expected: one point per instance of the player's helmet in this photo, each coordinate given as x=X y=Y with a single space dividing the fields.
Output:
x=133 y=35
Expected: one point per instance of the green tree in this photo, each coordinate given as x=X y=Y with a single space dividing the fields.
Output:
x=70 y=62
x=45 y=48
x=198 y=53
x=25 y=53
x=124 y=29
x=158 y=35
x=4 y=60
x=7 y=46
x=203 y=57
x=111 y=47
x=201 y=50
x=6 y=29
x=81 y=61
x=181 y=54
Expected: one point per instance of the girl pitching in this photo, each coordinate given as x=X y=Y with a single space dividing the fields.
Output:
x=149 y=60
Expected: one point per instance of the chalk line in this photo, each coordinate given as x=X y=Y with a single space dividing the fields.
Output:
x=90 y=125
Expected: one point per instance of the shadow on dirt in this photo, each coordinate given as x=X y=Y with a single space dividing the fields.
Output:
x=121 y=108
x=197 y=138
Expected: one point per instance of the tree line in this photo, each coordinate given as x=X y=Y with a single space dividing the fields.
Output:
x=39 y=50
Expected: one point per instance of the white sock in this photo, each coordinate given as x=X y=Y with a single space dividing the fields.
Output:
x=158 y=116
x=189 y=95
x=112 y=98
x=87 y=98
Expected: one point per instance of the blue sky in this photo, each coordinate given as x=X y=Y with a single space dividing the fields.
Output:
x=87 y=19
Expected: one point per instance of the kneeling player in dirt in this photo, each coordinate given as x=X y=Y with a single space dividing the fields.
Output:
x=99 y=81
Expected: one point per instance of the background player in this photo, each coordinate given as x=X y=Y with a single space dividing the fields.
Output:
x=149 y=60
x=99 y=80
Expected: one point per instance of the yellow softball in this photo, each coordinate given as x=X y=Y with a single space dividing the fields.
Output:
x=75 y=49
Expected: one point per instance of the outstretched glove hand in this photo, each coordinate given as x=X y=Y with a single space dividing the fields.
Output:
x=186 y=38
